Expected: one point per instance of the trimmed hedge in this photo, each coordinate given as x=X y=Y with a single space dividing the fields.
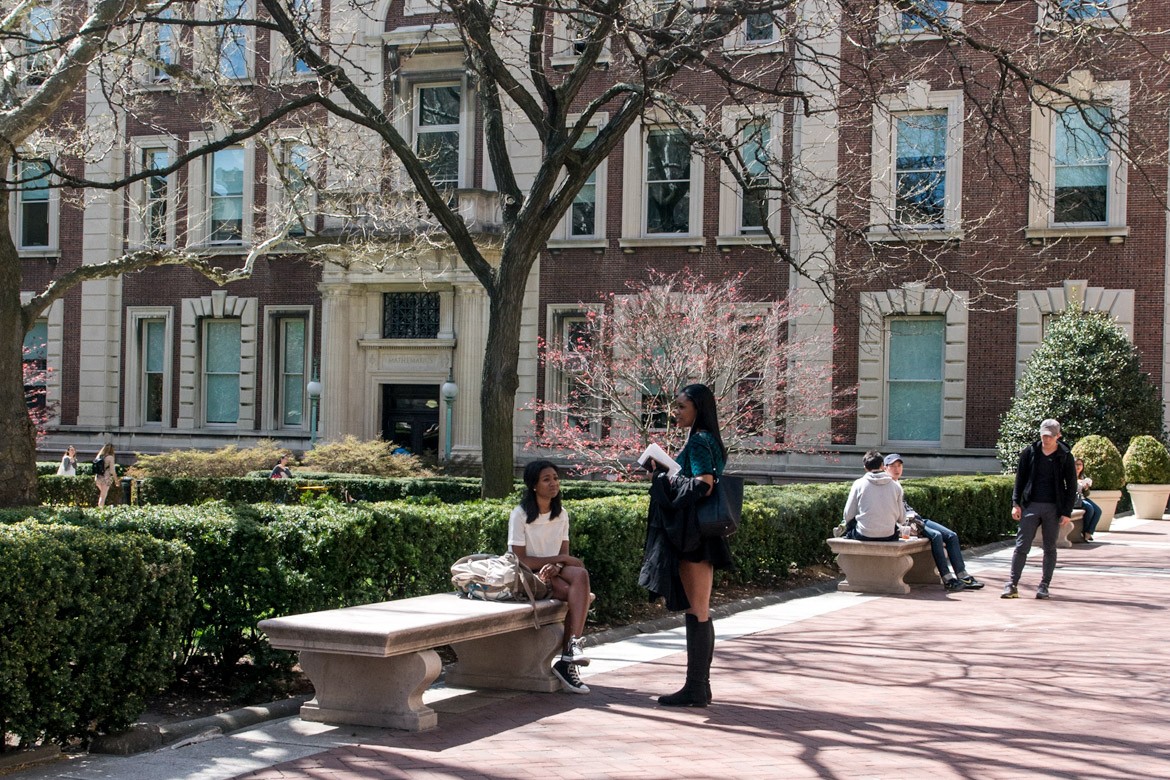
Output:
x=257 y=561
x=90 y=625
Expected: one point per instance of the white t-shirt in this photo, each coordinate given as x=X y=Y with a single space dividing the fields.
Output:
x=542 y=537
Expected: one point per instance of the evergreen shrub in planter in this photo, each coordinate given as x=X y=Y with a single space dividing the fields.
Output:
x=1147 y=474
x=1104 y=466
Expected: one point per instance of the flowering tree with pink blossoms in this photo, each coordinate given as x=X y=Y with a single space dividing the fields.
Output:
x=36 y=380
x=619 y=370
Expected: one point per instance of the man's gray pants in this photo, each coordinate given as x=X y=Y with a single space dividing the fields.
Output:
x=1046 y=517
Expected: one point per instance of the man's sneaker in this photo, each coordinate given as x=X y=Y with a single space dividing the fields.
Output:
x=954 y=585
x=1010 y=591
x=575 y=652
x=569 y=676
x=971 y=582
x=1042 y=591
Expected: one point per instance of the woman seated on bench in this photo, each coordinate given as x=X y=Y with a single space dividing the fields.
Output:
x=538 y=532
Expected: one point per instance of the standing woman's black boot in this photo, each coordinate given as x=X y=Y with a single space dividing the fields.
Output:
x=694 y=692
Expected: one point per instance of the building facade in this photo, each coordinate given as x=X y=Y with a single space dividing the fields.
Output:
x=897 y=172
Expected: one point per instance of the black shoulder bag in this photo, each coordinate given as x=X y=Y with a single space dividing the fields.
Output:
x=719 y=512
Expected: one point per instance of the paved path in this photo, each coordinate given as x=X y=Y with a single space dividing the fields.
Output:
x=928 y=685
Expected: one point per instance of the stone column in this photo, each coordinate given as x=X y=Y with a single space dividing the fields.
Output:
x=471 y=326
x=336 y=362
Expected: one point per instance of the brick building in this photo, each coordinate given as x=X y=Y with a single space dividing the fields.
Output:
x=1024 y=224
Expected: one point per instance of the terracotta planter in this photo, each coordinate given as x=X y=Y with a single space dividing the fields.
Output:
x=1107 y=500
x=1149 y=501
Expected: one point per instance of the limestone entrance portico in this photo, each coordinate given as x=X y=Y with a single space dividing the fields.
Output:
x=375 y=371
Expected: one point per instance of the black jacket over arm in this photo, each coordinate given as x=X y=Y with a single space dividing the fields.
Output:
x=671 y=527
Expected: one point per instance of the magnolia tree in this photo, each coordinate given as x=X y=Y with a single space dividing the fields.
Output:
x=621 y=368
x=36 y=380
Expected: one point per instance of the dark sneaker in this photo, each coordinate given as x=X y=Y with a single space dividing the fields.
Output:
x=569 y=676
x=954 y=585
x=575 y=652
x=971 y=582
x=1010 y=591
x=1042 y=592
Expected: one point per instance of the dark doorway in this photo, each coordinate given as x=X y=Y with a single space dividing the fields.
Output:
x=410 y=417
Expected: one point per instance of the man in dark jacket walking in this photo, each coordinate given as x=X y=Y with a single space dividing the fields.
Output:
x=1046 y=486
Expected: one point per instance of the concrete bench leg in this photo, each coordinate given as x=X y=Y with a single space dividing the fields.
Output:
x=518 y=660
x=368 y=691
x=922 y=571
x=1065 y=535
x=875 y=573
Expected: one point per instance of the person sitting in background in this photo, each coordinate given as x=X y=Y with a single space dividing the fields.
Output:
x=281 y=469
x=874 y=507
x=68 y=467
x=1092 y=511
x=944 y=543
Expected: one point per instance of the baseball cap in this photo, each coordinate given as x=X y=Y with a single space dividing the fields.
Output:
x=1050 y=427
x=893 y=457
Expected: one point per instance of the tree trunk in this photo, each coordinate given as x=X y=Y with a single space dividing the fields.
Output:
x=18 y=452
x=497 y=401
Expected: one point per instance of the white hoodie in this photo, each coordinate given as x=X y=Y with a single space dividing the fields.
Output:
x=875 y=500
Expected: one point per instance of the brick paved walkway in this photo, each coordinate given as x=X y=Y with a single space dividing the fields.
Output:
x=927 y=685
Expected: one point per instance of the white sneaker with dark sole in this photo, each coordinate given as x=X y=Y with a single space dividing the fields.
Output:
x=575 y=652
x=569 y=676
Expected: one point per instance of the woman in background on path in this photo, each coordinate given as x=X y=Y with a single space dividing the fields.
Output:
x=538 y=533
x=109 y=472
x=68 y=467
x=679 y=564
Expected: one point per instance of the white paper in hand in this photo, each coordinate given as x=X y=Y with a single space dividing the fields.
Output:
x=661 y=458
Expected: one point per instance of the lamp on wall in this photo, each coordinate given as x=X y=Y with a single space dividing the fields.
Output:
x=314 y=390
x=447 y=392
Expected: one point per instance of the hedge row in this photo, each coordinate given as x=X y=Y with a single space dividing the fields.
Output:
x=90 y=625
x=187 y=491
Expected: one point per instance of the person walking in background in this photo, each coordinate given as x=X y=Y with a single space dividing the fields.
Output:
x=538 y=533
x=1092 y=511
x=678 y=563
x=68 y=467
x=1046 y=486
x=944 y=543
x=281 y=469
x=104 y=472
x=874 y=507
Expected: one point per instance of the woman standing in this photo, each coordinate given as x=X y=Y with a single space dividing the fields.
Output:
x=108 y=471
x=679 y=564
x=538 y=533
x=68 y=467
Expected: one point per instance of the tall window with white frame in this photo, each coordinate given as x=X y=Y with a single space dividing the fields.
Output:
x=226 y=189
x=1085 y=10
x=920 y=168
x=152 y=342
x=33 y=205
x=291 y=346
x=301 y=12
x=232 y=40
x=1081 y=165
x=668 y=182
x=754 y=138
x=915 y=353
x=41 y=31
x=296 y=175
x=157 y=192
x=166 y=47
x=583 y=221
x=759 y=29
x=221 y=371
x=35 y=362
x=437 y=128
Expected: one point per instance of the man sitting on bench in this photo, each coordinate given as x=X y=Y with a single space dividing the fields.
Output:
x=874 y=507
x=944 y=543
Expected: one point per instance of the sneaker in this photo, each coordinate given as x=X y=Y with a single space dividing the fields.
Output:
x=954 y=585
x=1010 y=591
x=569 y=676
x=575 y=652
x=1042 y=591
x=971 y=582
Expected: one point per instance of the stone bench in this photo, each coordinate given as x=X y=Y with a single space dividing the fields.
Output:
x=1068 y=534
x=884 y=567
x=370 y=665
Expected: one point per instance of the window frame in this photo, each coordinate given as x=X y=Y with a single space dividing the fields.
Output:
x=918 y=99
x=636 y=188
x=199 y=182
x=730 y=193
x=30 y=72
x=459 y=127
x=274 y=360
x=17 y=204
x=280 y=197
x=557 y=382
x=564 y=44
x=40 y=364
x=283 y=66
x=888 y=337
x=204 y=353
x=890 y=30
x=736 y=42
x=1046 y=105
x=1051 y=18
x=136 y=386
x=213 y=40
x=139 y=201
x=563 y=237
